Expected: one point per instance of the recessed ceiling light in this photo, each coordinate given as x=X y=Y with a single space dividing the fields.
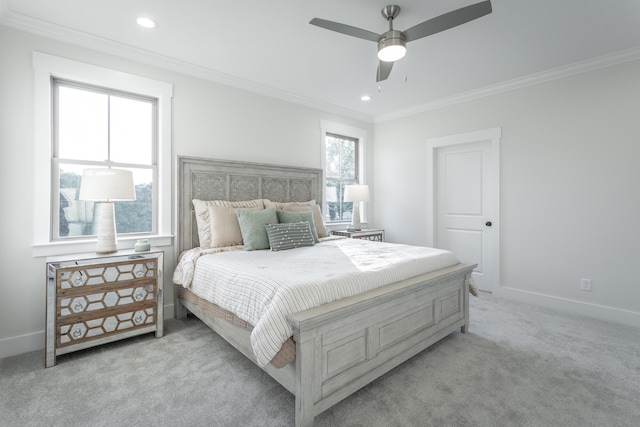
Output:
x=146 y=22
x=365 y=98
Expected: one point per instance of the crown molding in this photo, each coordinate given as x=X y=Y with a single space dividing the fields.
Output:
x=620 y=57
x=45 y=29
x=56 y=32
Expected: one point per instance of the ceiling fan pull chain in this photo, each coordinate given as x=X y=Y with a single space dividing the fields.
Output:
x=406 y=67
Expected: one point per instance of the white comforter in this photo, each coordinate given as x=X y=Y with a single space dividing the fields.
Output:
x=262 y=287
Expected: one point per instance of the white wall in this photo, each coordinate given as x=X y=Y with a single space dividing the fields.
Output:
x=570 y=187
x=209 y=120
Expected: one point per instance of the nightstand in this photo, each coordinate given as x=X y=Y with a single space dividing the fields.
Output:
x=95 y=299
x=373 y=234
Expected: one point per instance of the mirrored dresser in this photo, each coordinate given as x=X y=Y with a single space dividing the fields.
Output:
x=95 y=299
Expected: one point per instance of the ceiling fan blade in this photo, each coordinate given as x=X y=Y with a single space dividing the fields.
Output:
x=345 y=29
x=384 y=69
x=448 y=20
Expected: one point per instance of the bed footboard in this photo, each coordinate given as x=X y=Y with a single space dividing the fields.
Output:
x=343 y=346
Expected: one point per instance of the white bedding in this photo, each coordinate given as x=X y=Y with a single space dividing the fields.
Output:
x=262 y=287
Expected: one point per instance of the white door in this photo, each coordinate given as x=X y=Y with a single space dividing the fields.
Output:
x=465 y=201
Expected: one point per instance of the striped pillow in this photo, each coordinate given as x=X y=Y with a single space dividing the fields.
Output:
x=289 y=235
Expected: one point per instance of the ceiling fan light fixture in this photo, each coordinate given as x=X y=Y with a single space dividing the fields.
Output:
x=392 y=47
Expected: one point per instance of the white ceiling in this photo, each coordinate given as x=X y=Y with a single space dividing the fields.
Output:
x=270 y=47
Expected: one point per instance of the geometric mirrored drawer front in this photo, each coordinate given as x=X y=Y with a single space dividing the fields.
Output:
x=94 y=299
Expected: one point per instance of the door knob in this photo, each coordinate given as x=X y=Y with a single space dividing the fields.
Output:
x=488 y=224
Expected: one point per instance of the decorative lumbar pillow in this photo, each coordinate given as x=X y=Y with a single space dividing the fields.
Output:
x=289 y=235
x=201 y=210
x=306 y=216
x=252 y=227
x=318 y=220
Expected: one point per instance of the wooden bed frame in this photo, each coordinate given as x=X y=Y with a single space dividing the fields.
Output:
x=341 y=346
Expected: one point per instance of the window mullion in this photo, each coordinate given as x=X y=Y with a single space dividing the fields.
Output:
x=108 y=160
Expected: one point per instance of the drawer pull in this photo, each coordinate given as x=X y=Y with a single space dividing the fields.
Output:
x=139 y=271
x=138 y=319
x=78 y=307
x=77 y=333
x=139 y=296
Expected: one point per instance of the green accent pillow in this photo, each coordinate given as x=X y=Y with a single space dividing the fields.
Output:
x=289 y=235
x=305 y=216
x=252 y=227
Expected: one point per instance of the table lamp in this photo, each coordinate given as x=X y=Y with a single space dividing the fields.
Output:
x=356 y=194
x=105 y=185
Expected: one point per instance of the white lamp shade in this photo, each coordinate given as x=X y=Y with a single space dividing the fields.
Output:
x=102 y=184
x=356 y=193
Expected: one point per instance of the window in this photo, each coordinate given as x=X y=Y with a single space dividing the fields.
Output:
x=343 y=164
x=89 y=116
x=98 y=127
x=341 y=168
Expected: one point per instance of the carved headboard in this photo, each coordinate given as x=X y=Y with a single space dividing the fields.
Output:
x=209 y=179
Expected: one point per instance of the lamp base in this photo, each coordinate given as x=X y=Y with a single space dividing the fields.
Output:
x=355 y=220
x=106 y=229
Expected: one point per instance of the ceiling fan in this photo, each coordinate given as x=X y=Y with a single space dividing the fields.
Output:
x=392 y=43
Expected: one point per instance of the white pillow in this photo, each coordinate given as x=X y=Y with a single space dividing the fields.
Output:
x=280 y=205
x=206 y=229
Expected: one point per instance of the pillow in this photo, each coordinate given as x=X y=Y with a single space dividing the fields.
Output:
x=289 y=235
x=201 y=210
x=318 y=219
x=280 y=205
x=252 y=227
x=305 y=216
x=224 y=226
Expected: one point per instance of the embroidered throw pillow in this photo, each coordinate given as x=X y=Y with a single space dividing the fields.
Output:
x=306 y=216
x=289 y=235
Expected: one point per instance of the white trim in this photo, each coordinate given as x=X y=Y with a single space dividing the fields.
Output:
x=352 y=132
x=47 y=66
x=604 y=61
x=56 y=32
x=22 y=344
x=565 y=305
x=433 y=144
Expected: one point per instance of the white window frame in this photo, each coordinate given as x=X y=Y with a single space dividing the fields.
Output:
x=352 y=132
x=48 y=66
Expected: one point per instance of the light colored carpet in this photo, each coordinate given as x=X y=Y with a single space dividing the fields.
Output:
x=517 y=366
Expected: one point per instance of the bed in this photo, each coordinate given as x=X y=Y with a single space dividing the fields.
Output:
x=339 y=346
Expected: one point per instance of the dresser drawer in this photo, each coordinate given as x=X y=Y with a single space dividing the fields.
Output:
x=79 y=329
x=113 y=295
x=83 y=276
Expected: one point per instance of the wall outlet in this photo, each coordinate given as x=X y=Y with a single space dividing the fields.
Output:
x=585 y=285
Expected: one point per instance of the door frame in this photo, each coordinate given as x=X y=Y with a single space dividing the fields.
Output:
x=433 y=145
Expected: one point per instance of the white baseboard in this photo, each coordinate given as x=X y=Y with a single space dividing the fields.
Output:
x=597 y=311
x=22 y=344
x=32 y=342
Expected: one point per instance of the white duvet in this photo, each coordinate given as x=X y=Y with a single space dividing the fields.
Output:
x=263 y=287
